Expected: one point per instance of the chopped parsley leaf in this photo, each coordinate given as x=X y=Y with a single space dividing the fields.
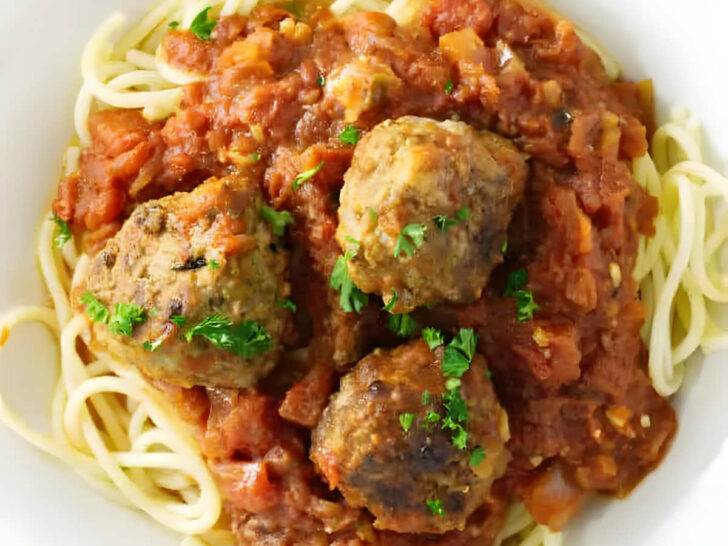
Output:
x=350 y=298
x=466 y=341
x=458 y=353
x=173 y=24
x=459 y=437
x=431 y=417
x=405 y=419
x=455 y=362
x=321 y=80
x=504 y=246
x=463 y=213
x=373 y=215
x=426 y=397
x=410 y=238
x=125 y=317
x=63 y=233
x=153 y=346
x=213 y=264
x=246 y=339
x=391 y=303
x=525 y=304
x=402 y=325
x=354 y=242
x=433 y=337
x=201 y=27
x=94 y=308
x=516 y=281
x=488 y=373
x=443 y=222
x=477 y=456
x=350 y=136
x=179 y=320
x=435 y=507
x=456 y=413
x=278 y=220
x=453 y=383
x=255 y=157
x=449 y=87
x=306 y=175
x=287 y=304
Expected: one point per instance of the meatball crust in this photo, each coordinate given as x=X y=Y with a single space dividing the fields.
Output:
x=360 y=446
x=409 y=171
x=193 y=255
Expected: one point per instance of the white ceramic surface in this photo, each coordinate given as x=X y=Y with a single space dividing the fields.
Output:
x=679 y=44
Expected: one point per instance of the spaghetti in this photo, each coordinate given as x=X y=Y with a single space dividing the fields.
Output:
x=121 y=434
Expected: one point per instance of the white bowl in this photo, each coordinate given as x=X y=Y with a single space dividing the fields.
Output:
x=678 y=44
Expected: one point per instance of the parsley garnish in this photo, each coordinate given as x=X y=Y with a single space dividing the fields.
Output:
x=321 y=80
x=350 y=136
x=431 y=417
x=255 y=157
x=405 y=419
x=410 y=238
x=477 y=456
x=525 y=304
x=449 y=87
x=179 y=320
x=94 y=308
x=459 y=352
x=246 y=339
x=213 y=264
x=443 y=222
x=435 y=507
x=426 y=397
x=201 y=27
x=373 y=215
x=504 y=246
x=455 y=362
x=151 y=347
x=173 y=24
x=402 y=325
x=391 y=303
x=433 y=337
x=63 y=233
x=463 y=213
x=287 y=304
x=306 y=175
x=456 y=413
x=278 y=220
x=351 y=298
x=125 y=317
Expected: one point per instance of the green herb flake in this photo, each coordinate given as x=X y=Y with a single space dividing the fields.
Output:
x=350 y=136
x=516 y=281
x=488 y=374
x=288 y=304
x=433 y=337
x=246 y=339
x=477 y=456
x=525 y=304
x=391 y=303
x=94 y=308
x=406 y=419
x=462 y=214
x=460 y=437
x=350 y=297
x=201 y=27
x=255 y=157
x=179 y=320
x=435 y=506
x=466 y=341
x=321 y=80
x=449 y=87
x=173 y=24
x=278 y=220
x=125 y=317
x=153 y=346
x=373 y=215
x=402 y=325
x=213 y=264
x=504 y=246
x=444 y=223
x=306 y=175
x=426 y=397
x=431 y=417
x=63 y=232
x=410 y=238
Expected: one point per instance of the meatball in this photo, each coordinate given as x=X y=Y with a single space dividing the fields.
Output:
x=361 y=447
x=186 y=258
x=444 y=189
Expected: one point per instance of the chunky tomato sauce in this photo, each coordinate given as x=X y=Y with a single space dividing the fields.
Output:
x=583 y=414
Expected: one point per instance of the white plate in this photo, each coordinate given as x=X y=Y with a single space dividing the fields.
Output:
x=679 y=44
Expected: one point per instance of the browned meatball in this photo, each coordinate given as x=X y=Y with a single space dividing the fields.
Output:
x=408 y=172
x=185 y=258
x=361 y=447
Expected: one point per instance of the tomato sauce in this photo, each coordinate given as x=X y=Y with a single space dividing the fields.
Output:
x=281 y=88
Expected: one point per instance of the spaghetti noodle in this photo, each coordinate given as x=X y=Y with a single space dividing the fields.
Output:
x=124 y=438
